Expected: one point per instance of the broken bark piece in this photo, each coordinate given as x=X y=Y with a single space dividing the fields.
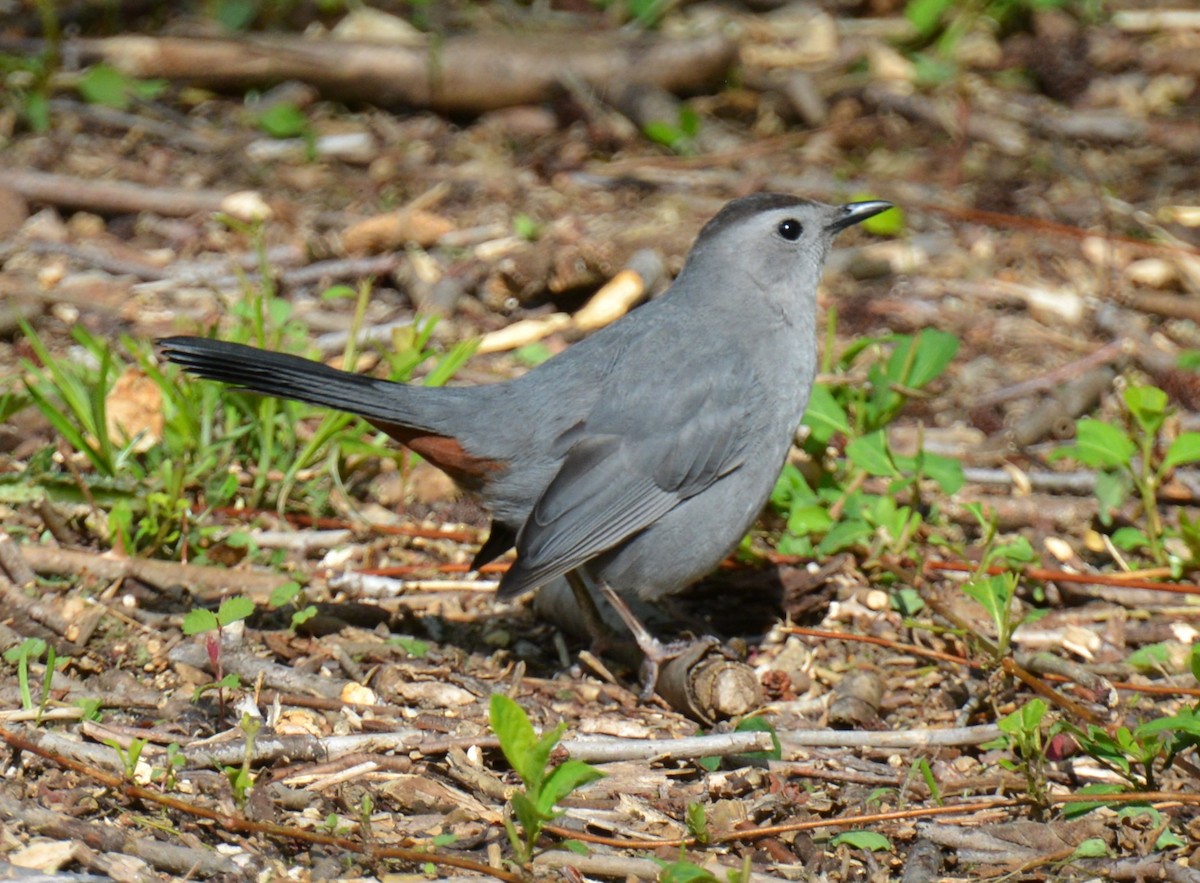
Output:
x=460 y=74
x=708 y=686
x=856 y=701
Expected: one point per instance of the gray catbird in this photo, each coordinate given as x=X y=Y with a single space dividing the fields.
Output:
x=639 y=457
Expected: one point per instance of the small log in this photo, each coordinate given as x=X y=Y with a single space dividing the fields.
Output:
x=472 y=74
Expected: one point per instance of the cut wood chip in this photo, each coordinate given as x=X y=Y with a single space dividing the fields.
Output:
x=394 y=230
x=611 y=302
x=524 y=332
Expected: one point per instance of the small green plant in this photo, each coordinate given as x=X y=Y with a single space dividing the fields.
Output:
x=287 y=594
x=679 y=136
x=831 y=512
x=129 y=756
x=872 y=841
x=525 y=227
x=333 y=826
x=366 y=809
x=1022 y=735
x=204 y=622
x=241 y=777
x=529 y=756
x=645 y=13
x=104 y=84
x=168 y=774
x=1135 y=458
x=22 y=655
x=996 y=592
x=1138 y=754
x=684 y=871
x=697 y=823
x=25 y=86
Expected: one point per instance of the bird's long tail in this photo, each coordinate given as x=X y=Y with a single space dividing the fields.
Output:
x=290 y=377
x=429 y=420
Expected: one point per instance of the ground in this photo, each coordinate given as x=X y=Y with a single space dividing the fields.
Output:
x=968 y=608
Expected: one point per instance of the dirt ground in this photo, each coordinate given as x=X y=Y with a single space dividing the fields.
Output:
x=497 y=165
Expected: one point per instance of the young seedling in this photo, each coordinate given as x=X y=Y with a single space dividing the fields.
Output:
x=204 y=622
x=241 y=778
x=1023 y=737
x=529 y=756
x=28 y=651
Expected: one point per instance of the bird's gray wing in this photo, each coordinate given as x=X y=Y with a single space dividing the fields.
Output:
x=614 y=484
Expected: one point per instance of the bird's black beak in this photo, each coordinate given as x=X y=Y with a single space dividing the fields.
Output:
x=856 y=212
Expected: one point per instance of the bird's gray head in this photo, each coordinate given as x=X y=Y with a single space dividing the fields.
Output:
x=770 y=245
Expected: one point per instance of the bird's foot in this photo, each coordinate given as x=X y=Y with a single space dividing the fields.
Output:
x=655 y=653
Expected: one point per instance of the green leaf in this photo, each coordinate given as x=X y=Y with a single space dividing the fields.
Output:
x=517 y=739
x=825 y=417
x=1185 y=449
x=414 y=647
x=791 y=488
x=1168 y=839
x=197 y=621
x=283 y=120
x=907 y=601
x=1019 y=551
x=526 y=227
x=1093 y=847
x=1112 y=490
x=926 y=15
x=1148 y=405
x=666 y=134
x=685 y=872
x=36 y=110
x=533 y=354
x=947 y=472
x=234 y=610
x=1130 y=539
x=339 y=292
x=527 y=814
x=1099 y=445
x=236 y=15
x=576 y=846
x=284 y=594
x=994 y=593
x=805 y=520
x=1025 y=720
x=565 y=778
x=870 y=840
x=104 y=84
x=697 y=821
x=870 y=452
x=935 y=351
x=759 y=724
x=846 y=534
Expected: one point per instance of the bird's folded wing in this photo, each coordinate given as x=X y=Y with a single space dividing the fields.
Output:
x=612 y=486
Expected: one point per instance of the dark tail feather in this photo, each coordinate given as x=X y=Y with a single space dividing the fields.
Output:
x=289 y=377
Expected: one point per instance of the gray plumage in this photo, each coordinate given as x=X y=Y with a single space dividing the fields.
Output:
x=641 y=455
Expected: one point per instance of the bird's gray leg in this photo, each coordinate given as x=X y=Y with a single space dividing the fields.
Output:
x=654 y=650
x=602 y=634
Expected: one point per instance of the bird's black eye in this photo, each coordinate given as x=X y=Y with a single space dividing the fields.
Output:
x=790 y=229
